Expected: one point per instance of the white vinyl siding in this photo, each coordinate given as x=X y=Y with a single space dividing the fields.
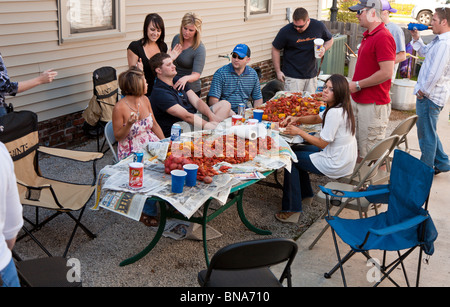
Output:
x=29 y=44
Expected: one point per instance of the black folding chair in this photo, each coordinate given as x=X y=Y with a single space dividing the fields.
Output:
x=246 y=264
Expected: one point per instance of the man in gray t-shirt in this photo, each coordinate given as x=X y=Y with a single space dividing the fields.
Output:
x=396 y=32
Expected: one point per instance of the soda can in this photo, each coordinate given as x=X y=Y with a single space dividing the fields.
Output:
x=175 y=133
x=138 y=157
x=241 y=109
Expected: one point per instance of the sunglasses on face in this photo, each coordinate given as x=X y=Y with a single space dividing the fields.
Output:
x=301 y=27
x=236 y=56
x=359 y=12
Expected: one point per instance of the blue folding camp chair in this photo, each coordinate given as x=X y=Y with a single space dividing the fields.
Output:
x=404 y=226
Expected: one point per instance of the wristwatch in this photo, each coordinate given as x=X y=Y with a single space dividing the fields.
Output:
x=357 y=86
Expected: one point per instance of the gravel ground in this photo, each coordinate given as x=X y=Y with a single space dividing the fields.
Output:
x=171 y=263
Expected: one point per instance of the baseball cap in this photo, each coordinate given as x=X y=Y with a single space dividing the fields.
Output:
x=242 y=50
x=366 y=3
x=386 y=6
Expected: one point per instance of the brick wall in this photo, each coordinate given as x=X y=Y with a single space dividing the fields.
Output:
x=63 y=132
x=67 y=131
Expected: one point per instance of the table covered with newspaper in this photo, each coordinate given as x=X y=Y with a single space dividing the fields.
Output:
x=113 y=192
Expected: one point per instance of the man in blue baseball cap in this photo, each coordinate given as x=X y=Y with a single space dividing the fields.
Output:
x=236 y=82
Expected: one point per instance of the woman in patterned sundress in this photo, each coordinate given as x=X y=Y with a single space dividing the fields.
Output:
x=135 y=126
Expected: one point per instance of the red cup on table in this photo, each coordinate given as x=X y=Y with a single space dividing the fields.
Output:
x=236 y=120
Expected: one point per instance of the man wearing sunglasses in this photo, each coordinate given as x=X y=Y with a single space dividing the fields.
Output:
x=236 y=82
x=433 y=89
x=299 y=69
x=372 y=78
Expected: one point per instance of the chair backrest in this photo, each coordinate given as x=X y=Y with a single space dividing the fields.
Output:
x=410 y=184
x=409 y=188
x=253 y=254
x=106 y=95
x=404 y=128
x=368 y=167
x=21 y=138
x=110 y=139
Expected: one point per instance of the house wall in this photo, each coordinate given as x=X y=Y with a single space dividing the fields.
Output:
x=29 y=45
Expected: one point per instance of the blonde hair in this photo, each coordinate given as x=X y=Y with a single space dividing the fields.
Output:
x=196 y=21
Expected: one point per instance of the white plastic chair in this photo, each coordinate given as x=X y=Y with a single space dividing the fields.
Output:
x=111 y=140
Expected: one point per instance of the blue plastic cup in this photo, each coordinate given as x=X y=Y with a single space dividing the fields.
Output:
x=257 y=114
x=178 y=179
x=191 y=177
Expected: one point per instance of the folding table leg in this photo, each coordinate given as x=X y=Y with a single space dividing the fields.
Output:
x=244 y=220
x=145 y=251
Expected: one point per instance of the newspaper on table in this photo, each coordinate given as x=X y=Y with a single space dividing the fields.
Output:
x=113 y=192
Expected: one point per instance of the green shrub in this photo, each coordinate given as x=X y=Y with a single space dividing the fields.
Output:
x=344 y=14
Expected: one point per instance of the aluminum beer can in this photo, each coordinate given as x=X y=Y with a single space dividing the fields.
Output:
x=175 y=133
x=138 y=157
x=241 y=109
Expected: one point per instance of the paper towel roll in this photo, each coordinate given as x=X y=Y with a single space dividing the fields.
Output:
x=246 y=131
x=251 y=132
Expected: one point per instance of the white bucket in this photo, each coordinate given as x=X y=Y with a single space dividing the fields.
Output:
x=402 y=94
x=351 y=66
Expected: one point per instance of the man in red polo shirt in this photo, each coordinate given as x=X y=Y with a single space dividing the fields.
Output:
x=372 y=78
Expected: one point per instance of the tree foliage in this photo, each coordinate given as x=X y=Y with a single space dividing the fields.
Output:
x=344 y=14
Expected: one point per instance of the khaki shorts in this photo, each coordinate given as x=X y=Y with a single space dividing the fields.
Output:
x=300 y=85
x=371 y=123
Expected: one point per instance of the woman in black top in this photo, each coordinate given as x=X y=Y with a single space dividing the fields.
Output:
x=139 y=52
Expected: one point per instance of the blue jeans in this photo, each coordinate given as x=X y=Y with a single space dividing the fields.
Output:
x=297 y=184
x=430 y=145
x=150 y=208
x=9 y=275
x=2 y=111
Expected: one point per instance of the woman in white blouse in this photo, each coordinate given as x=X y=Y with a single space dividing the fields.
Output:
x=332 y=154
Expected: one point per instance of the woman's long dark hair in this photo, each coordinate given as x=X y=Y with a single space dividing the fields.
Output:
x=158 y=22
x=341 y=93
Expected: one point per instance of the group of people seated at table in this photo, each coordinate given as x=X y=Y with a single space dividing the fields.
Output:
x=154 y=100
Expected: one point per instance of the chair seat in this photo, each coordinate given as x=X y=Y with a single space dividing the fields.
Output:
x=353 y=232
x=353 y=204
x=72 y=196
x=262 y=277
x=46 y=272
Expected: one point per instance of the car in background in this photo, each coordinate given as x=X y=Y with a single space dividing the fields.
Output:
x=424 y=11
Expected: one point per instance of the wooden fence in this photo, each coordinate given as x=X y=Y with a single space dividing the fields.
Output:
x=354 y=32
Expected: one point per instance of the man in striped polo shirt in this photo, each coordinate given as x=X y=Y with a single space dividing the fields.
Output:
x=236 y=82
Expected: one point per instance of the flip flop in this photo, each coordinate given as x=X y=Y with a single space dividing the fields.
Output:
x=288 y=217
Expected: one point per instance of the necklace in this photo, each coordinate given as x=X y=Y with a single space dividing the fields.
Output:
x=133 y=109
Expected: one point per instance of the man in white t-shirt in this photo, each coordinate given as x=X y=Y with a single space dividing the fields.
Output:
x=11 y=220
